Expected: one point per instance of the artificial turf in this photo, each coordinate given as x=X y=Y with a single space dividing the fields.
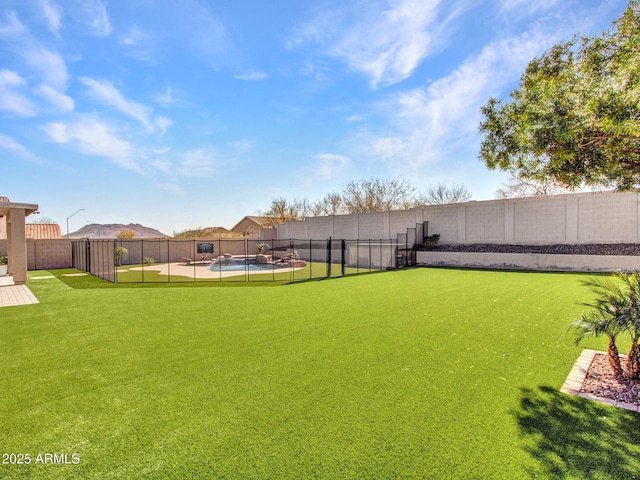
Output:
x=421 y=373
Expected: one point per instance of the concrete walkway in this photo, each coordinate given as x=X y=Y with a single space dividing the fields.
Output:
x=14 y=295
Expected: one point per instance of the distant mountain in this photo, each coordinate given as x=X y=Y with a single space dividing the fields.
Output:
x=111 y=230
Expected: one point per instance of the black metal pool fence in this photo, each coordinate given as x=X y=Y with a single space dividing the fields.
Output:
x=242 y=260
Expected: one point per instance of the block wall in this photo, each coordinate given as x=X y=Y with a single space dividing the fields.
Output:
x=373 y=225
x=613 y=217
x=345 y=226
x=599 y=217
x=540 y=222
x=443 y=221
x=45 y=254
x=485 y=222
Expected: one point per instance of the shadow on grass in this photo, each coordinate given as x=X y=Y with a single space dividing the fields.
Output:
x=572 y=437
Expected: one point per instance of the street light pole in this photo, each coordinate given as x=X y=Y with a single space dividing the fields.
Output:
x=82 y=209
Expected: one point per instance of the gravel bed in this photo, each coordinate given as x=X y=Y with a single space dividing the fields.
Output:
x=629 y=249
x=602 y=383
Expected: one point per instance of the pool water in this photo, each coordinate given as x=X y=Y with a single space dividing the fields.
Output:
x=239 y=264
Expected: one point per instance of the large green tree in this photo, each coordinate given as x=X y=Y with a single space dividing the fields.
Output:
x=575 y=117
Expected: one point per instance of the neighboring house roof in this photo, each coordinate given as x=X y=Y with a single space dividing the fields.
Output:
x=215 y=231
x=42 y=231
x=251 y=224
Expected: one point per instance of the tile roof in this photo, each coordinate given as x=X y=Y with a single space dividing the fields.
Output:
x=42 y=231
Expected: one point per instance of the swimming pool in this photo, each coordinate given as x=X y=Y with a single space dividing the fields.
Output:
x=234 y=264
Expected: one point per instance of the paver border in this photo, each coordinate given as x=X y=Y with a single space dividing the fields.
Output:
x=577 y=375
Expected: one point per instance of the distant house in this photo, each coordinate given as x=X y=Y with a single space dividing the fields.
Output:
x=216 y=232
x=251 y=225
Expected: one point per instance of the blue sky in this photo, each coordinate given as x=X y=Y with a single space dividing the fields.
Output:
x=182 y=114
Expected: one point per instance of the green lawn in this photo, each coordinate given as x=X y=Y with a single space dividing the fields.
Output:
x=422 y=373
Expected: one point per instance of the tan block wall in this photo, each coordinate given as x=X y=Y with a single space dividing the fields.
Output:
x=345 y=226
x=320 y=226
x=373 y=225
x=485 y=222
x=45 y=254
x=443 y=220
x=601 y=217
x=540 y=221
x=613 y=217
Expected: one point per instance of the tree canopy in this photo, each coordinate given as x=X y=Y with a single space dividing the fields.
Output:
x=443 y=194
x=365 y=196
x=126 y=234
x=575 y=117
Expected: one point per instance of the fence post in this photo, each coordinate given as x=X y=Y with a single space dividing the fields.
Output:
x=329 y=257
x=343 y=248
x=89 y=257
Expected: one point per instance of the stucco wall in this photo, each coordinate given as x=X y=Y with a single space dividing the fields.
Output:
x=601 y=217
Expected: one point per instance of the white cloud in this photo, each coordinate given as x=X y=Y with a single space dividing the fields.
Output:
x=162 y=123
x=206 y=34
x=165 y=99
x=426 y=122
x=9 y=78
x=51 y=12
x=139 y=45
x=330 y=165
x=45 y=66
x=94 y=15
x=8 y=143
x=105 y=93
x=11 y=99
x=385 y=44
x=50 y=65
x=62 y=102
x=195 y=163
x=134 y=37
x=252 y=76
x=526 y=7
x=13 y=27
x=92 y=137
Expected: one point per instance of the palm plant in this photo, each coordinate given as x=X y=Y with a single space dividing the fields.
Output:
x=120 y=252
x=631 y=324
x=608 y=316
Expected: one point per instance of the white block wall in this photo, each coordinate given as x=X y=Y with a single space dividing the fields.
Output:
x=601 y=217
